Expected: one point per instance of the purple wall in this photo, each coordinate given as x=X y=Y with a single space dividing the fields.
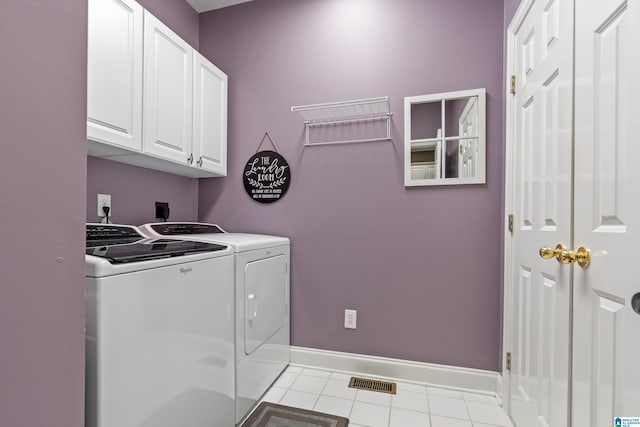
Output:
x=42 y=174
x=426 y=119
x=418 y=264
x=510 y=7
x=134 y=190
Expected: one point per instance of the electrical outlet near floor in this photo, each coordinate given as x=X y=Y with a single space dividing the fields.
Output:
x=104 y=200
x=350 y=317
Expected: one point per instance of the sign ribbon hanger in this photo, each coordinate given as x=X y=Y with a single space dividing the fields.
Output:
x=267 y=135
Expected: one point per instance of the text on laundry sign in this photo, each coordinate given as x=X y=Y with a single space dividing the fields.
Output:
x=266 y=169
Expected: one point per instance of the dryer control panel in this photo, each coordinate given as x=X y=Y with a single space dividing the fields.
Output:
x=177 y=228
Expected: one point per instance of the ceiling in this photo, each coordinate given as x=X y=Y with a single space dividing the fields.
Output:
x=205 y=5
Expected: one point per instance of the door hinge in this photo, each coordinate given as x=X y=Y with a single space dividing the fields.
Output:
x=511 y=223
x=513 y=85
x=509 y=362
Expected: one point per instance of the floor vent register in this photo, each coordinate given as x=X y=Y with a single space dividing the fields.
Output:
x=372 y=385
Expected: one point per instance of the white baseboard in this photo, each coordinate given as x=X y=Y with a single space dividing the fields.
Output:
x=476 y=380
x=500 y=389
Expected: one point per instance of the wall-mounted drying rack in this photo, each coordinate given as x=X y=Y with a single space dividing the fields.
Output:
x=345 y=112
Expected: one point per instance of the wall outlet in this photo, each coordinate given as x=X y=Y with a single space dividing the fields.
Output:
x=350 y=317
x=104 y=200
x=162 y=210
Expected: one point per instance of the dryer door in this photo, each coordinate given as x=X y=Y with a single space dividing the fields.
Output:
x=265 y=304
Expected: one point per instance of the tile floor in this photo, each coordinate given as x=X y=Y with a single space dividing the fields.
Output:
x=414 y=404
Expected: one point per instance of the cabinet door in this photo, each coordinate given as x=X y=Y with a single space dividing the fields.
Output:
x=209 y=116
x=114 y=73
x=168 y=92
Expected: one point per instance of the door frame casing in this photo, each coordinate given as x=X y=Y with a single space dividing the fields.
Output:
x=507 y=289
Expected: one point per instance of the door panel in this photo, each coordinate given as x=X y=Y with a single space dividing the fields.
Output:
x=521 y=371
x=551 y=155
x=609 y=153
x=607 y=333
x=606 y=373
x=526 y=165
x=540 y=338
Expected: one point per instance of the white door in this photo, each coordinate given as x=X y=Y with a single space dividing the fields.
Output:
x=168 y=92
x=606 y=362
x=540 y=296
x=114 y=73
x=209 y=116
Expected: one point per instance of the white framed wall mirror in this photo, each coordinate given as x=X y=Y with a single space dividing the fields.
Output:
x=444 y=138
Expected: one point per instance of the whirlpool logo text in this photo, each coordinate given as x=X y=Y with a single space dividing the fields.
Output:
x=626 y=421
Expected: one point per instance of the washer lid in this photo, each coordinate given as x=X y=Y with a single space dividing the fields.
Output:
x=148 y=249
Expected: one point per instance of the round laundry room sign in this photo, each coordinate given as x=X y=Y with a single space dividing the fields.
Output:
x=266 y=176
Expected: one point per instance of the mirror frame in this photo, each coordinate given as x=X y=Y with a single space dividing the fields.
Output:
x=409 y=101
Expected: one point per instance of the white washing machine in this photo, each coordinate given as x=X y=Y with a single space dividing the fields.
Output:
x=262 y=303
x=159 y=331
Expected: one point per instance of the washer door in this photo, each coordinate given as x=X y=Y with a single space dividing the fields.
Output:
x=265 y=304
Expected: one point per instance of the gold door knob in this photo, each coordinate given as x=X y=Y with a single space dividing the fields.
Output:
x=582 y=256
x=548 y=253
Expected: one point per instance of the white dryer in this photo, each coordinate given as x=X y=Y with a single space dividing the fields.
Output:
x=159 y=331
x=262 y=303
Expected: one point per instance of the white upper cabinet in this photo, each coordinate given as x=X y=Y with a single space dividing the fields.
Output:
x=114 y=73
x=153 y=101
x=209 y=116
x=168 y=92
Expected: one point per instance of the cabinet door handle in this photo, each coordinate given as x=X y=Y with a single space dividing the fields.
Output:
x=190 y=159
x=199 y=162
